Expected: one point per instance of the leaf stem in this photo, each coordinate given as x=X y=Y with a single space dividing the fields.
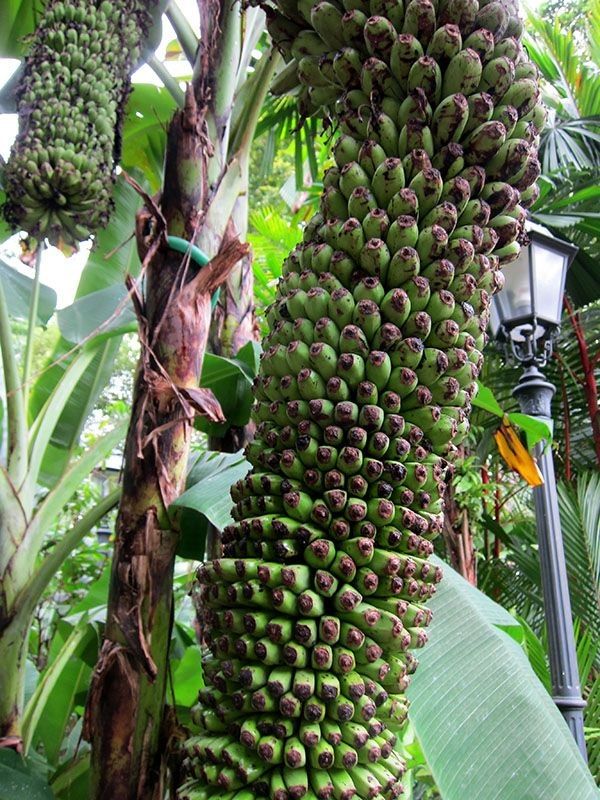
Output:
x=169 y=82
x=31 y=322
x=15 y=403
x=184 y=32
x=33 y=590
x=63 y=489
x=248 y=119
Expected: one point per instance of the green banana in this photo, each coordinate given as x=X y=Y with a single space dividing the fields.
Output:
x=364 y=392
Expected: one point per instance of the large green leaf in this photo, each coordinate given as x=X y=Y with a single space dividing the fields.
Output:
x=149 y=111
x=18 y=781
x=18 y=289
x=106 y=311
x=187 y=678
x=18 y=20
x=114 y=254
x=93 y=605
x=487 y=725
x=112 y=258
x=231 y=381
x=49 y=709
x=71 y=478
x=207 y=500
x=71 y=781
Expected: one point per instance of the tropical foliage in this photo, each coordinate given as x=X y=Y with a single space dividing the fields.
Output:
x=462 y=735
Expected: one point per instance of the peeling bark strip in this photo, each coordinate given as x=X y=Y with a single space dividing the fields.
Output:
x=126 y=700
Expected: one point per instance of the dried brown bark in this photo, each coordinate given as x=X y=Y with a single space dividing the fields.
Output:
x=126 y=699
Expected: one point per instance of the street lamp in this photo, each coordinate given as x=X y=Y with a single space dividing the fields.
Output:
x=108 y=477
x=525 y=319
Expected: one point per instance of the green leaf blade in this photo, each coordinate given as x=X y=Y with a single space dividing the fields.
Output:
x=475 y=693
x=486 y=400
x=18 y=782
x=207 y=499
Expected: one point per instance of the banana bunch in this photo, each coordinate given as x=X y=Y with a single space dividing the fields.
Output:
x=71 y=99
x=364 y=394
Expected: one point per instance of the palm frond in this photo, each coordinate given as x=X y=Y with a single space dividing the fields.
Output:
x=272 y=238
x=588 y=647
x=580 y=520
x=568 y=205
x=573 y=425
x=571 y=88
x=592 y=726
x=570 y=142
x=515 y=581
x=593 y=31
x=283 y=126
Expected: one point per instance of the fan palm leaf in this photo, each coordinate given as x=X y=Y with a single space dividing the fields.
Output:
x=515 y=582
x=571 y=92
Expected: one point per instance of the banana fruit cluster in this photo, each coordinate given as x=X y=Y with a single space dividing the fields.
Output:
x=58 y=179
x=375 y=342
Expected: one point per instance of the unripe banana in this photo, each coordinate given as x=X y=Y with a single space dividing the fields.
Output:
x=463 y=73
x=66 y=152
x=364 y=392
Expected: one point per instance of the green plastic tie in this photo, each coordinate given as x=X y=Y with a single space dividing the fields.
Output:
x=198 y=256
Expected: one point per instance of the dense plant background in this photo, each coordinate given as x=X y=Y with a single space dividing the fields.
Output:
x=76 y=388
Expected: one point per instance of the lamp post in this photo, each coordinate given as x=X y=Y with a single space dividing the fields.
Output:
x=525 y=319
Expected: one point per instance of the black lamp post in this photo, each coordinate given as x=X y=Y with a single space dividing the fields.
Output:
x=525 y=319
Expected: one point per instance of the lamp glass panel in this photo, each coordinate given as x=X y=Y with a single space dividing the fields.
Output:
x=548 y=281
x=494 y=317
x=515 y=299
x=526 y=331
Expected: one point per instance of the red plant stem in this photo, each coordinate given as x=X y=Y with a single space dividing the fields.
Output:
x=497 y=506
x=485 y=479
x=590 y=386
x=567 y=424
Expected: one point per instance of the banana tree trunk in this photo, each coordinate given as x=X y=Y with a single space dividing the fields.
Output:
x=13 y=653
x=125 y=705
x=204 y=177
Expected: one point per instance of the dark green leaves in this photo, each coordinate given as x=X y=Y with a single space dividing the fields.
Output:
x=231 y=381
x=207 y=500
x=18 y=781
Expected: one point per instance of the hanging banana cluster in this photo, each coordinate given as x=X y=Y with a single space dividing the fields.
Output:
x=58 y=179
x=364 y=392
